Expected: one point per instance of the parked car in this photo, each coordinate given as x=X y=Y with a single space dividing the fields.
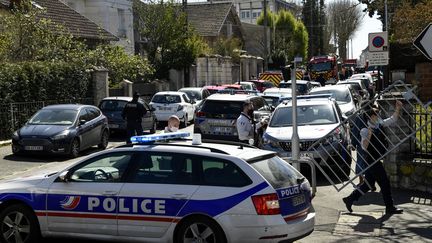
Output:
x=316 y=117
x=368 y=81
x=213 y=89
x=62 y=129
x=168 y=103
x=197 y=94
x=344 y=96
x=248 y=86
x=112 y=108
x=218 y=115
x=358 y=86
x=303 y=86
x=262 y=85
x=162 y=191
x=274 y=96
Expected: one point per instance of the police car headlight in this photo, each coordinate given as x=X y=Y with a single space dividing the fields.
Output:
x=270 y=142
x=15 y=135
x=61 y=135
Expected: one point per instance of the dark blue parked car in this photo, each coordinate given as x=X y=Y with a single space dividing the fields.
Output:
x=63 y=129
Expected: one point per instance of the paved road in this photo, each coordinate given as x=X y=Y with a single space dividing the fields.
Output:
x=333 y=224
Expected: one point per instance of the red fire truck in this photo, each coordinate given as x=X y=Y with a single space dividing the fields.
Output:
x=325 y=66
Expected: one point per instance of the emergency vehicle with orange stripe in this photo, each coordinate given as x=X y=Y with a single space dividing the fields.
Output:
x=162 y=188
x=324 y=66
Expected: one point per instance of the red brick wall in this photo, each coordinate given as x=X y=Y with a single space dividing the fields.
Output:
x=424 y=78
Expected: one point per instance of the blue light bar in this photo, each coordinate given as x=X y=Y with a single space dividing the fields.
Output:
x=146 y=139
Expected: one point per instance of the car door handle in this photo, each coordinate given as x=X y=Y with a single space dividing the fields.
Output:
x=109 y=193
x=179 y=196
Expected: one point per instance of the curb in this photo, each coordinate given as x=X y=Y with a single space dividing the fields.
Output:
x=5 y=143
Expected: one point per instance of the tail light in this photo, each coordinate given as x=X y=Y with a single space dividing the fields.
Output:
x=200 y=114
x=179 y=108
x=267 y=204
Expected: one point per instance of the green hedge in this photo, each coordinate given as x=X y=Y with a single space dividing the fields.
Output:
x=39 y=81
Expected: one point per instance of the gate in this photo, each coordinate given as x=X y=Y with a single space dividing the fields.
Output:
x=337 y=162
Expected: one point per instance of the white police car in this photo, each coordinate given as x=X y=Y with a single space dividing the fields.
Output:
x=177 y=191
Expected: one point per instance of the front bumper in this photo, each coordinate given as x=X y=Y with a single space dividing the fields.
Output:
x=42 y=145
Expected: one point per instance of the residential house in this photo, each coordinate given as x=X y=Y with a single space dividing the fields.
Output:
x=249 y=11
x=215 y=20
x=60 y=14
x=114 y=16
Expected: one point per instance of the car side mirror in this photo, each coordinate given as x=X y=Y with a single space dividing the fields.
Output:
x=82 y=122
x=272 y=108
x=63 y=177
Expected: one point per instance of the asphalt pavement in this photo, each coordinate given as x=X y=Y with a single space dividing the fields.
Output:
x=367 y=223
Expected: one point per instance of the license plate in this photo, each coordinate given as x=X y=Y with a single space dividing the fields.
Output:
x=113 y=125
x=297 y=200
x=306 y=155
x=33 y=148
x=219 y=122
x=164 y=108
x=222 y=129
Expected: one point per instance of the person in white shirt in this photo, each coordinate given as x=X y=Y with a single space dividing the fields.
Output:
x=246 y=126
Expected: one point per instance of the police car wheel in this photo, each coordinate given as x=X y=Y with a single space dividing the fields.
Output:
x=75 y=148
x=104 y=140
x=18 y=224
x=200 y=229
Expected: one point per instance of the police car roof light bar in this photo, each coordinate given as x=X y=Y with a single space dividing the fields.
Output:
x=147 y=139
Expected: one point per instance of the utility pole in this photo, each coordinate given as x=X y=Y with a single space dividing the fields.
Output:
x=186 y=76
x=265 y=37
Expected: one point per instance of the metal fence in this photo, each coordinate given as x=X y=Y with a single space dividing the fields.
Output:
x=423 y=143
x=333 y=156
x=14 y=115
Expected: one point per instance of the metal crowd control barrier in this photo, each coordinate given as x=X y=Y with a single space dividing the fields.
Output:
x=334 y=154
x=311 y=163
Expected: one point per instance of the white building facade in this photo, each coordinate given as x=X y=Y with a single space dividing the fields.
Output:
x=114 y=16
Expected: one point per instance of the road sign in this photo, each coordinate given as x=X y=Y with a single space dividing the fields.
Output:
x=378 y=58
x=423 y=42
x=378 y=41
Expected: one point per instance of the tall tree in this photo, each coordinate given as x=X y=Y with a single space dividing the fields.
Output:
x=345 y=18
x=163 y=25
x=312 y=21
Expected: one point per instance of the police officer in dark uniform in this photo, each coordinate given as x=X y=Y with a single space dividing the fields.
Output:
x=373 y=143
x=133 y=113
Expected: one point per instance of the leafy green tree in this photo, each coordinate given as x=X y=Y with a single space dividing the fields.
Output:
x=25 y=37
x=170 y=42
x=290 y=37
x=409 y=20
x=228 y=47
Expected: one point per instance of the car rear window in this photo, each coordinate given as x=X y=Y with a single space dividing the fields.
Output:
x=222 y=107
x=112 y=105
x=306 y=115
x=277 y=172
x=341 y=96
x=166 y=99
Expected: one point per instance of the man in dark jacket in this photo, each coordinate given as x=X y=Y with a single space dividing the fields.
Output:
x=373 y=143
x=133 y=113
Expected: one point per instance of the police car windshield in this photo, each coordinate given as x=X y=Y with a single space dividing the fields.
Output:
x=112 y=105
x=54 y=117
x=277 y=172
x=166 y=99
x=341 y=96
x=306 y=115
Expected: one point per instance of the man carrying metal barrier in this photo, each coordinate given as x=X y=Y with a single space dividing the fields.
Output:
x=373 y=143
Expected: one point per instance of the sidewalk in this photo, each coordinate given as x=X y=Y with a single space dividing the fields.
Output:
x=368 y=223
